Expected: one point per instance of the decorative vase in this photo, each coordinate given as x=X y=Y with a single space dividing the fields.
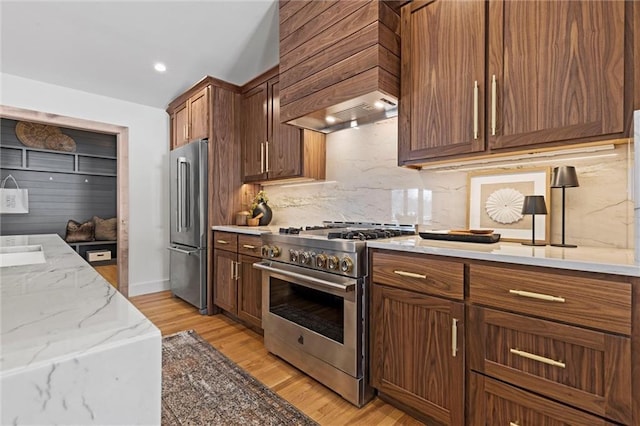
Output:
x=266 y=211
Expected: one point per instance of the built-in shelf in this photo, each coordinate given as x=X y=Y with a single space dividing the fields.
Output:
x=46 y=160
x=82 y=247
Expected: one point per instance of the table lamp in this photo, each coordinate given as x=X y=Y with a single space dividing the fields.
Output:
x=564 y=177
x=533 y=205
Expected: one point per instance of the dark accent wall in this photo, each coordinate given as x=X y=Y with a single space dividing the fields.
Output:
x=59 y=189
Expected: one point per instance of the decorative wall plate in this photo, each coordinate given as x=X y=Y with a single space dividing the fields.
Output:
x=42 y=136
x=505 y=205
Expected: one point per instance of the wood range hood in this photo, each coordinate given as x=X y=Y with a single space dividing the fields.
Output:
x=339 y=63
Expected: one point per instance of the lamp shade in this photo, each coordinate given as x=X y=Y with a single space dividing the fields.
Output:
x=564 y=177
x=534 y=204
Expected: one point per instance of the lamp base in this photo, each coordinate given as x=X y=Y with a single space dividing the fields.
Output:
x=564 y=245
x=534 y=244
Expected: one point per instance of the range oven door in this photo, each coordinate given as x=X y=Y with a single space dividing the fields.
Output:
x=316 y=312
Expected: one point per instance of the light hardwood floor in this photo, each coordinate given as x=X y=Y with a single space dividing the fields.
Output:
x=109 y=272
x=245 y=347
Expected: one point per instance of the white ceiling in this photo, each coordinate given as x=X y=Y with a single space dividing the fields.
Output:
x=110 y=47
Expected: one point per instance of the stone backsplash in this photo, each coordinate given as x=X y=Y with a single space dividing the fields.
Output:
x=364 y=183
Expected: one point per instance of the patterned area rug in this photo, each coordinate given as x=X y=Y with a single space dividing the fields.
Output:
x=201 y=386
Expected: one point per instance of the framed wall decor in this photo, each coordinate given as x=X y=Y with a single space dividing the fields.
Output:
x=495 y=202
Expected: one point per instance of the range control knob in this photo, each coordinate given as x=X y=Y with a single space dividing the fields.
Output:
x=321 y=261
x=305 y=258
x=270 y=251
x=346 y=264
x=332 y=263
x=294 y=255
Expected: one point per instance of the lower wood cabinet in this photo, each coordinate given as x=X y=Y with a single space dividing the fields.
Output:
x=417 y=352
x=492 y=402
x=237 y=286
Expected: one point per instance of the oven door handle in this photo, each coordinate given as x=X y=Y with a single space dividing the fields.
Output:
x=345 y=288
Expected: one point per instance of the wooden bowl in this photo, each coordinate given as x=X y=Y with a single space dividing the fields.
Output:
x=253 y=221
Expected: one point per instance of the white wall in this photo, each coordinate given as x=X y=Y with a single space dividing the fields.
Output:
x=148 y=157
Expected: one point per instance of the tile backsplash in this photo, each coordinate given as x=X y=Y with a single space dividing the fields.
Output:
x=364 y=183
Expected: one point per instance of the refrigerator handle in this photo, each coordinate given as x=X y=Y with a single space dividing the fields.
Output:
x=176 y=249
x=182 y=164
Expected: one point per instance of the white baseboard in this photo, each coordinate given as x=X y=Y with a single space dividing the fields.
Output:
x=136 y=289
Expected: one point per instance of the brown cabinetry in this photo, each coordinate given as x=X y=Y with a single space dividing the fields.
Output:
x=417 y=339
x=567 y=81
x=564 y=336
x=190 y=119
x=272 y=150
x=237 y=285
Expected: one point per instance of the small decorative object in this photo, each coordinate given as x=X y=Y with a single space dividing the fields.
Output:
x=259 y=206
x=13 y=200
x=496 y=198
x=505 y=205
x=533 y=205
x=106 y=229
x=80 y=232
x=564 y=177
x=42 y=136
x=241 y=218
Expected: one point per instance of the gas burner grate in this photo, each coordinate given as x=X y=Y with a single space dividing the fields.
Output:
x=290 y=230
x=368 y=234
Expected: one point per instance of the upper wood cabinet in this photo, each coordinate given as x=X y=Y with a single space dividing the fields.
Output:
x=558 y=73
x=272 y=150
x=190 y=119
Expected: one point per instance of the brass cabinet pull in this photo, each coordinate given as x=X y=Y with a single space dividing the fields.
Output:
x=222 y=242
x=538 y=296
x=410 y=274
x=249 y=246
x=538 y=358
x=494 y=95
x=266 y=157
x=236 y=269
x=513 y=424
x=454 y=337
x=475 y=109
x=261 y=157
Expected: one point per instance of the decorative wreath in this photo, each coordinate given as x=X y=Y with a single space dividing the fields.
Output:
x=42 y=136
x=505 y=205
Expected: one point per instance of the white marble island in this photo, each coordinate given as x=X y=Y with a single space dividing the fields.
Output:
x=73 y=349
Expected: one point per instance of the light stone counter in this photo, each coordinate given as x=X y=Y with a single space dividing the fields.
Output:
x=250 y=230
x=74 y=350
x=603 y=260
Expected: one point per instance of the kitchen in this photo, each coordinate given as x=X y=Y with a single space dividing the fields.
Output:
x=603 y=192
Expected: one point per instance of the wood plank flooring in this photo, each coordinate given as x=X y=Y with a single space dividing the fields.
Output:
x=245 y=347
x=109 y=272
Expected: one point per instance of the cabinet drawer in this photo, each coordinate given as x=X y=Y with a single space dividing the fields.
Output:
x=495 y=403
x=249 y=245
x=422 y=273
x=225 y=241
x=591 y=302
x=587 y=369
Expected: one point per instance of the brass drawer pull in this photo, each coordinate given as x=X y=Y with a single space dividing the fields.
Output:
x=454 y=337
x=475 y=109
x=249 y=246
x=539 y=296
x=513 y=424
x=537 y=358
x=222 y=242
x=410 y=274
x=494 y=95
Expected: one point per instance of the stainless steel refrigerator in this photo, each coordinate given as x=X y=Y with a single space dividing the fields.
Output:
x=188 y=242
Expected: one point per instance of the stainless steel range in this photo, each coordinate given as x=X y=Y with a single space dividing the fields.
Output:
x=314 y=301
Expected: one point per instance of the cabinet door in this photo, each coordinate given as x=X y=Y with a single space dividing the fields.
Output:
x=284 y=157
x=225 y=284
x=254 y=133
x=559 y=70
x=199 y=115
x=415 y=358
x=250 y=291
x=180 y=130
x=443 y=52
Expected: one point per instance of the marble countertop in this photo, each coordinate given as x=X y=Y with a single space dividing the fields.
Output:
x=592 y=259
x=250 y=230
x=61 y=309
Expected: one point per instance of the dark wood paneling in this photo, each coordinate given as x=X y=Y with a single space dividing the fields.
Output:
x=589 y=302
x=254 y=132
x=250 y=291
x=199 y=109
x=314 y=154
x=53 y=202
x=284 y=157
x=224 y=289
x=337 y=19
x=225 y=241
x=304 y=15
x=290 y=8
x=363 y=83
x=180 y=126
x=366 y=59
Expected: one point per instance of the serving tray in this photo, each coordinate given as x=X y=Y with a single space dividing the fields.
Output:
x=467 y=238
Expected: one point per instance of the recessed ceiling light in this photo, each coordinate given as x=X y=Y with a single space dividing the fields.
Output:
x=378 y=104
x=354 y=124
x=160 y=67
x=330 y=119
